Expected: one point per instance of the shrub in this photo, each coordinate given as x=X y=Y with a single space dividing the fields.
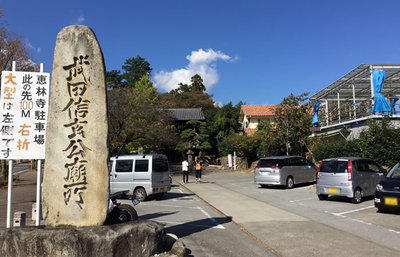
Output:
x=379 y=142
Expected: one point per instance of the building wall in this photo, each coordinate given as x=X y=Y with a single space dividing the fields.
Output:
x=252 y=123
x=357 y=129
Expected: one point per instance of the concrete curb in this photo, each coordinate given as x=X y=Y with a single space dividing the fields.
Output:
x=273 y=251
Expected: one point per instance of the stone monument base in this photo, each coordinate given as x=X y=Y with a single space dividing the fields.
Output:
x=137 y=238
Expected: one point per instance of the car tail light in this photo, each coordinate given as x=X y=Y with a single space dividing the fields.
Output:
x=276 y=167
x=349 y=171
x=319 y=169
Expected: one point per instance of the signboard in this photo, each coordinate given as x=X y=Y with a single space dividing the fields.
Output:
x=23 y=108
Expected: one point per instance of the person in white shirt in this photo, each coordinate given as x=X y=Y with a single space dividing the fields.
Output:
x=185 y=171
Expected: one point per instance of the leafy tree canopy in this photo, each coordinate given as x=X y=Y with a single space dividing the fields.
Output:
x=378 y=142
x=290 y=128
x=135 y=121
x=188 y=96
x=134 y=69
x=114 y=79
x=196 y=85
x=196 y=135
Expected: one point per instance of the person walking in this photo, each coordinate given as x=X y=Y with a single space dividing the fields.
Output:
x=198 y=171
x=185 y=171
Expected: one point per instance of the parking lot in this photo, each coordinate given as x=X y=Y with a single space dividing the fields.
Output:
x=204 y=231
x=272 y=217
x=362 y=219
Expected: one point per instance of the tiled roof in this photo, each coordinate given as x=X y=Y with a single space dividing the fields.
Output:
x=259 y=110
x=250 y=132
x=186 y=113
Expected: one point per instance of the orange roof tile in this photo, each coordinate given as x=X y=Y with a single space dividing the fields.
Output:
x=259 y=110
x=250 y=132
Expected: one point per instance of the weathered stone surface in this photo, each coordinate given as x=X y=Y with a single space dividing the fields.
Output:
x=137 y=238
x=76 y=180
x=178 y=249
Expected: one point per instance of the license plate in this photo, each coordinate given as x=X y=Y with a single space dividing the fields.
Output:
x=162 y=190
x=390 y=201
x=333 y=190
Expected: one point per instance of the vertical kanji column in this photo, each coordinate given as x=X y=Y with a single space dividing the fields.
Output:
x=76 y=180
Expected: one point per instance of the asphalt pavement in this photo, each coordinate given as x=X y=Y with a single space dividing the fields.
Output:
x=23 y=194
x=282 y=232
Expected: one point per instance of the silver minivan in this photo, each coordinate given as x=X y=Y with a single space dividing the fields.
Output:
x=143 y=175
x=284 y=170
x=353 y=177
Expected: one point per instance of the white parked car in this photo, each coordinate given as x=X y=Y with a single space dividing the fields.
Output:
x=143 y=175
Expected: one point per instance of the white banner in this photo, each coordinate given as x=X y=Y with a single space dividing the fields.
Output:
x=23 y=107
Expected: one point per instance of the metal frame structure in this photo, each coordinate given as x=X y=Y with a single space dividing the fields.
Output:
x=351 y=97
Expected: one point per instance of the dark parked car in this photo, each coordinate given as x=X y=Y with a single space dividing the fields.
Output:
x=387 y=194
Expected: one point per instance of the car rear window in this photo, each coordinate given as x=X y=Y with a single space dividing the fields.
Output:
x=270 y=163
x=334 y=166
x=160 y=165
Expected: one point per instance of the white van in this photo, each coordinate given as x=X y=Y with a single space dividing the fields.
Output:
x=142 y=175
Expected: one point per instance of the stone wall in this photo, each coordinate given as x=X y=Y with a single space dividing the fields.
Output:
x=137 y=238
x=241 y=163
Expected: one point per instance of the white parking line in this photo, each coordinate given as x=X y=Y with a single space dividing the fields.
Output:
x=179 y=190
x=361 y=221
x=356 y=210
x=167 y=205
x=194 y=225
x=394 y=231
x=299 y=200
x=211 y=218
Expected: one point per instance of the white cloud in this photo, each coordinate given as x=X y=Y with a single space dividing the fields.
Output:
x=80 y=20
x=30 y=46
x=218 y=104
x=200 y=62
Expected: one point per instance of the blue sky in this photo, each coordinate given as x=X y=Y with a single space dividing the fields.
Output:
x=254 y=51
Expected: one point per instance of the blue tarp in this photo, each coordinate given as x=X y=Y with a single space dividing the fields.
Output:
x=315 y=122
x=393 y=104
x=380 y=103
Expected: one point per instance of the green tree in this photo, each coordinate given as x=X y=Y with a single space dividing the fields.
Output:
x=223 y=122
x=326 y=149
x=188 y=96
x=268 y=143
x=243 y=145
x=195 y=135
x=134 y=120
x=380 y=142
x=292 y=122
x=145 y=85
x=134 y=70
x=195 y=86
x=197 y=83
x=114 y=79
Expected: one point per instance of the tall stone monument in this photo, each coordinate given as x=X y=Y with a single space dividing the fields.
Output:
x=76 y=180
